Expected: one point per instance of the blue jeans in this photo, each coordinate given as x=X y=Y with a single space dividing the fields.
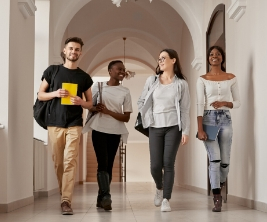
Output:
x=220 y=149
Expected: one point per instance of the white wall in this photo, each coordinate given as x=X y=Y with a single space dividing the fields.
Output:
x=137 y=151
x=191 y=159
x=41 y=55
x=21 y=75
x=16 y=109
x=4 y=70
x=246 y=57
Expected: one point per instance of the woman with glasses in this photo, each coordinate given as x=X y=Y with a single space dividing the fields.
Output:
x=214 y=90
x=164 y=106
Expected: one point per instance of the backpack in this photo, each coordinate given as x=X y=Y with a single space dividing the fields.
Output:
x=41 y=108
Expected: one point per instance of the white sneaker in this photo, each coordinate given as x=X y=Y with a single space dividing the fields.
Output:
x=158 y=198
x=165 y=206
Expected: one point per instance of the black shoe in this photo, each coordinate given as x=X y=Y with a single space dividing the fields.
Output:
x=98 y=202
x=104 y=190
x=106 y=202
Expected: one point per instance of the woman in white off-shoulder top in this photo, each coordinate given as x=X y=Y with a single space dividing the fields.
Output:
x=217 y=93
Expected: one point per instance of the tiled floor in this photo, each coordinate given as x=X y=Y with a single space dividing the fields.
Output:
x=132 y=202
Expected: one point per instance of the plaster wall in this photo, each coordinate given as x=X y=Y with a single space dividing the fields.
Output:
x=4 y=70
x=16 y=110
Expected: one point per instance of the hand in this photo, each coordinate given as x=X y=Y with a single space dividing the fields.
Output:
x=76 y=100
x=202 y=135
x=61 y=93
x=217 y=104
x=184 y=140
x=101 y=108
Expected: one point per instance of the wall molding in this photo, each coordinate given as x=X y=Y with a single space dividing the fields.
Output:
x=256 y=205
x=193 y=188
x=237 y=9
x=197 y=63
x=252 y=204
x=27 y=8
x=45 y=193
x=5 y=208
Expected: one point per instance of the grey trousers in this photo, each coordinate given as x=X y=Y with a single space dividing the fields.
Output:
x=163 y=145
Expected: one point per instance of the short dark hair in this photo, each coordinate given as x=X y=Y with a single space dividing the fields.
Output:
x=74 y=39
x=176 y=67
x=112 y=63
x=222 y=53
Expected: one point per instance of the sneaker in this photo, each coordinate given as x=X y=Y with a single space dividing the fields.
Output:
x=66 y=209
x=158 y=198
x=165 y=206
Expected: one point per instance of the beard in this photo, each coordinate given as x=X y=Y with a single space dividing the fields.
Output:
x=72 y=59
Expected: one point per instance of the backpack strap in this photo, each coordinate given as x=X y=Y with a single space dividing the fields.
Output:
x=100 y=87
x=55 y=71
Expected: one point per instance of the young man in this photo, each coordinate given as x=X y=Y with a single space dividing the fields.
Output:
x=65 y=121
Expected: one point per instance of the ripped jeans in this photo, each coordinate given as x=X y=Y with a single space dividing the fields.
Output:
x=220 y=149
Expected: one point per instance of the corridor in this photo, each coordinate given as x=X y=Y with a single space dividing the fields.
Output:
x=132 y=202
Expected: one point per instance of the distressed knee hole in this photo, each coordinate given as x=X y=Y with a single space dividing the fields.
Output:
x=224 y=165
x=215 y=161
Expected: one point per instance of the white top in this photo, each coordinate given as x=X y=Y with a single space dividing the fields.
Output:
x=182 y=102
x=116 y=99
x=210 y=91
x=164 y=108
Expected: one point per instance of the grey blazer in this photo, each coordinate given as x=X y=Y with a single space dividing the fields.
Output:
x=182 y=102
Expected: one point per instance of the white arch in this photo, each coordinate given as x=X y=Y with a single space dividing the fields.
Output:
x=185 y=11
x=130 y=60
x=146 y=57
x=181 y=6
x=152 y=47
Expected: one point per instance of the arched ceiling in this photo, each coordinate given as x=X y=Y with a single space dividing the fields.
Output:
x=149 y=27
x=136 y=66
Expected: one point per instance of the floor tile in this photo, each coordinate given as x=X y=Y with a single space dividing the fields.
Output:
x=132 y=202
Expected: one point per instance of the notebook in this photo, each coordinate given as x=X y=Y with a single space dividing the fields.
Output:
x=72 y=88
x=211 y=131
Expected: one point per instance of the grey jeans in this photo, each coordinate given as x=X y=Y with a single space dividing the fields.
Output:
x=220 y=149
x=163 y=146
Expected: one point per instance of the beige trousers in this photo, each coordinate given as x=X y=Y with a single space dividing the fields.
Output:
x=65 y=146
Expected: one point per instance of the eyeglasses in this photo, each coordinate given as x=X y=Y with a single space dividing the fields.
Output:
x=162 y=59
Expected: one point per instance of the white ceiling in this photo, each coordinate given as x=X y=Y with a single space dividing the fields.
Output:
x=149 y=27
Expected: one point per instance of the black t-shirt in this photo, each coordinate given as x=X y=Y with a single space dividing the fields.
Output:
x=66 y=115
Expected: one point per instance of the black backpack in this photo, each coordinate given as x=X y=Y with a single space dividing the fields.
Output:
x=41 y=108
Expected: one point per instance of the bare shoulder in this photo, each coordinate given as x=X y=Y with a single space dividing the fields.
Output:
x=204 y=76
x=230 y=76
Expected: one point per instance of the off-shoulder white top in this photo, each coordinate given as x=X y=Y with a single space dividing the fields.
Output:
x=210 y=91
